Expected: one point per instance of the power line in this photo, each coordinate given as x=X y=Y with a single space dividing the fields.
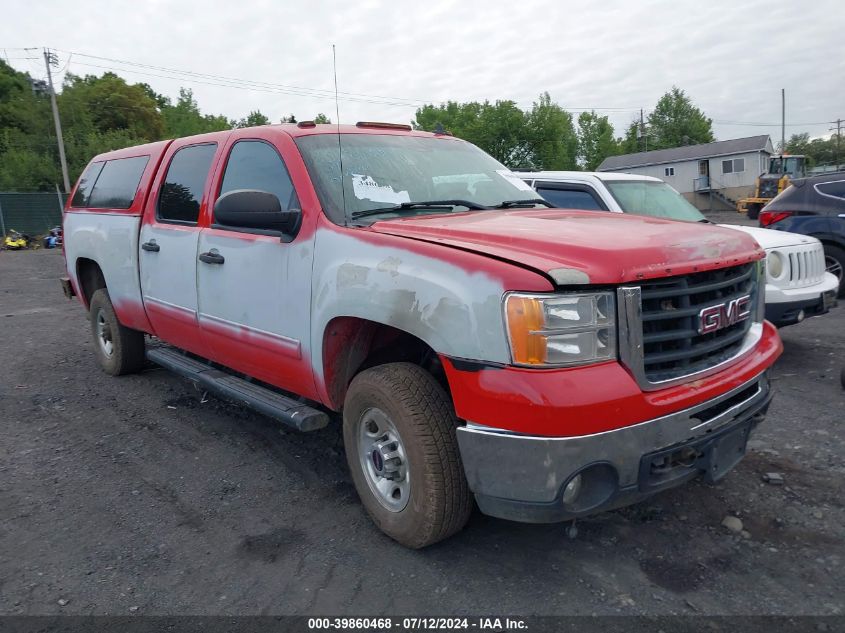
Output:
x=237 y=86
x=304 y=91
x=224 y=81
x=756 y=124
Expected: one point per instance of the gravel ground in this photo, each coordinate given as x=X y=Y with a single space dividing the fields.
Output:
x=135 y=495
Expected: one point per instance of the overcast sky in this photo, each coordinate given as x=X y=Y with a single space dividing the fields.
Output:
x=614 y=56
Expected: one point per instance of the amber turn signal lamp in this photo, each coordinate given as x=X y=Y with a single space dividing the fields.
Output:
x=525 y=321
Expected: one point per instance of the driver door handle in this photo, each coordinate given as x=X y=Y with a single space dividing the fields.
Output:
x=151 y=246
x=212 y=257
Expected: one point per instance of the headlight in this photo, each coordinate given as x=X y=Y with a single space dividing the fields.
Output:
x=774 y=263
x=559 y=330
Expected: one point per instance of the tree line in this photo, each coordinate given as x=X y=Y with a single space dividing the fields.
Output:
x=101 y=113
x=819 y=151
x=546 y=136
x=98 y=114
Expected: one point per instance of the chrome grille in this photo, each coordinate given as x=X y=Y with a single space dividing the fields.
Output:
x=672 y=346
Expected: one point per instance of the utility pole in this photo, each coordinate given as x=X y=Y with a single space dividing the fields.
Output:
x=838 y=139
x=642 y=130
x=52 y=59
x=782 y=120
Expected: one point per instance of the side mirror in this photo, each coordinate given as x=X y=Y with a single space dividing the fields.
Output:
x=253 y=209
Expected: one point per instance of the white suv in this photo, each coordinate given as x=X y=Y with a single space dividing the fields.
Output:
x=797 y=285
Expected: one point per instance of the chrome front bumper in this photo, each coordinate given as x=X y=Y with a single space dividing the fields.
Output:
x=522 y=477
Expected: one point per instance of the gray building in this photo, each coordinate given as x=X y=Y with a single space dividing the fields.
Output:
x=708 y=175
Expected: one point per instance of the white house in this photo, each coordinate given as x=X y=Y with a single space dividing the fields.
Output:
x=724 y=170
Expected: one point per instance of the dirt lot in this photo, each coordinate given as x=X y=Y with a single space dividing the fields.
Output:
x=133 y=495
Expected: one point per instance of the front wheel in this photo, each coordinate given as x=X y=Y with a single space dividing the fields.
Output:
x=834 y=263
x=119 y=349
x=399 y=430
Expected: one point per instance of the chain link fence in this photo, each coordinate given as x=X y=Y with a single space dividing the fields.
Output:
x=32 y=213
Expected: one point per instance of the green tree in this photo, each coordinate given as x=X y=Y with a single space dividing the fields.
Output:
x=28 y=150
x=676 y=121
x=23 y=169
x=498 y=128
x=819 y=151
x=595 y=140
x=632 y=141
x=109 y=103
x=542 y=138
x=253 y=119
x=185 y=118
x=552 y=141
x=322 y=118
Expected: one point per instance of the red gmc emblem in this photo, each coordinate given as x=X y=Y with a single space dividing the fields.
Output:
x=722 y=315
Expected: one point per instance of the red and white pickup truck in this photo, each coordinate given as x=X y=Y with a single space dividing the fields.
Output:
x=550 y=363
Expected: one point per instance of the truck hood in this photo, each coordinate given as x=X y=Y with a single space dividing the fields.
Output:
x=583 y=247
x=769 y=238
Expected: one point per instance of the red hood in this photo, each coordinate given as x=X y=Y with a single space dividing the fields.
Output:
x=584 y=246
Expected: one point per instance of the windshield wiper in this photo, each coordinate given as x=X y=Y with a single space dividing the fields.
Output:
x=428 y=204
x=705 y=220
x=513 y=204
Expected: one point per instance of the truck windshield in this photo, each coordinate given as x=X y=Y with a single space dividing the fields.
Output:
x=794 y=166
x=654 y=198
x=393 y=172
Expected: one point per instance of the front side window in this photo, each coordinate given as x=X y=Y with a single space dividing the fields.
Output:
x=653 y=198
x=118 y=182
x=570 y=198
x=382 y=171
x=257 y=165
x=181 y=192
x=86 y=183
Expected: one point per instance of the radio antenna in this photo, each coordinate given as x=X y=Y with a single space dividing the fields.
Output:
x=339 y=145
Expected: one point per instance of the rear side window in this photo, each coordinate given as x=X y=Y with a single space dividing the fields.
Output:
x=257 y=165
x=86 y=183
x=181 y=193
x=835 y=189
x=117 y=184
x=570 y=198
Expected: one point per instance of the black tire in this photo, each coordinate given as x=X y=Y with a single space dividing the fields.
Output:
x=127 y=346
x=438 y=502
x=835 y=262
x=753 y=211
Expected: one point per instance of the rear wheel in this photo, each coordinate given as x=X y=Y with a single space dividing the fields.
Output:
x=119 y=350
x=834 y=262
x=399 y=430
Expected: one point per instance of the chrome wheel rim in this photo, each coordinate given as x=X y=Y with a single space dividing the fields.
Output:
x=383 y=460
x=104 y=337
x=833 y=266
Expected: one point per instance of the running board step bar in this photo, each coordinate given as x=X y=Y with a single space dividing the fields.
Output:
x=270 y=403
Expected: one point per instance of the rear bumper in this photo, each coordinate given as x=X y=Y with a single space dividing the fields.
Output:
x=523 y=477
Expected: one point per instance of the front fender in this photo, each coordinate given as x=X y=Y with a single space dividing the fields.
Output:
x=450 y=299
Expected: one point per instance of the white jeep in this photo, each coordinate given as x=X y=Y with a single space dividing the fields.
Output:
x=797 y=285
